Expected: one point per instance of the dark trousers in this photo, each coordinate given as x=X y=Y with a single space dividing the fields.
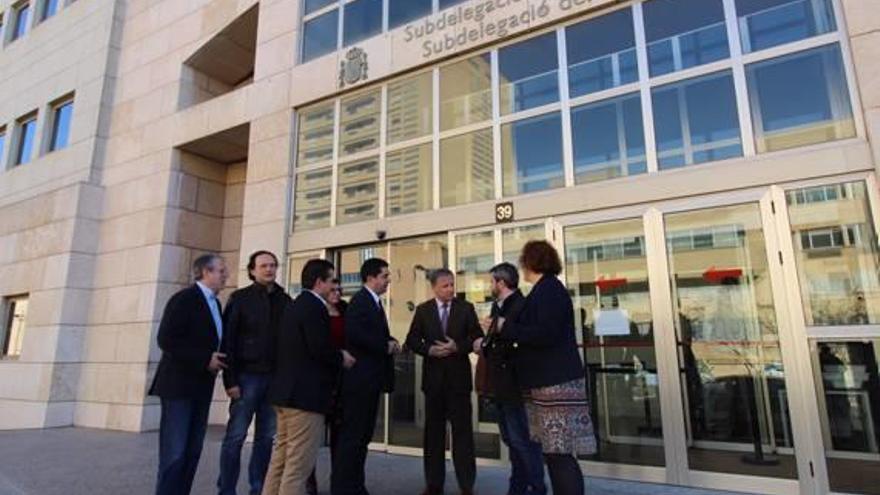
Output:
x=526 y=461
x=359 y=408
x=181 y=436
x=442 y=406
x=254 y=401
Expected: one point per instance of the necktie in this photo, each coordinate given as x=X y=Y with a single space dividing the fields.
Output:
x=444 y=317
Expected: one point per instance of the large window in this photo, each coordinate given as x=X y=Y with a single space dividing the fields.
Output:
x=684 y=33
x=362 y=19
x=403 y=11
x=22 y=20
x=609 y=139
x=13 y=328
x=320 y=35
x=800 y=99
x=696 y=121
x=500 y=123
x=27 y=133
x=601 y=53
x=62 y=113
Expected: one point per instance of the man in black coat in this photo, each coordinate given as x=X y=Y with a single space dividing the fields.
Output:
x=369 y=340
x=443 y=332
x=250 y=322
x=306 y=369
x=526 y=462
x=189 y=337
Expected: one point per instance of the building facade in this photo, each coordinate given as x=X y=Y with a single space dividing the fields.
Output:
x=706 y=168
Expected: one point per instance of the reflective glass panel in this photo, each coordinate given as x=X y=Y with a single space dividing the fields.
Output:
x=607 y=274
x=61 y=126
x=316 y=134
x=466 y=92
x=800 y=99
x=767 y=23
x=733 y=381
x=362 y=19
x=403 y=11
x=449 y=3
x=2 y=148
x=467 y=170
x=684 y=33
x=528 y=74
x=531 y=155
x=609 y=140
x=313 y=5
x=312 y=203
x=22 y=21
x=357 y=198
x=512 y=242
x=601 y=53
x=835 y=245
x=27 y=133
x=320 y=35
x=408 y=180
x=410 y=108
x=696 y=121
x=359 y=122
x=50 y=7
x=846 y=375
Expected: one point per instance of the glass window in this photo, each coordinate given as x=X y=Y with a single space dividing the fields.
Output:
x=316 y=134
x=800 y=99
x=363 y=19
x=14 y=326
x=22 y=21
x=320 y=35
x=601 y=53
x=27 y=133
x=527 y=73
x=606 y=271
x=50 y=7
x=408 y=180
x=836 y=249
x=61 y=126
x=449 y=3
x=358 y=195
x=767 y=23
x=467 y=170
x=403 y=11
x=314 y=5
x=684 y=33
x=410 y=108
x=531 y=154
x=696 y=121
x=313 y=195
x=466 y=92
x=608 y=139
x=2 y=147
x=848 y=383
x=359 y=123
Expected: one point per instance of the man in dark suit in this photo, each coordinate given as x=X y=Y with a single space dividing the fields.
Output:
x=443 y=332
x=369 y=340
x=526 y=462
x=307 y=366
x=189 y=337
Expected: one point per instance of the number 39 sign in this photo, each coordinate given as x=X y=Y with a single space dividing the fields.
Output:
x=504 y=212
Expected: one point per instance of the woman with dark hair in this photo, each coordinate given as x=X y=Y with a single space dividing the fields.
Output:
x=336 y=307
x=549 y=368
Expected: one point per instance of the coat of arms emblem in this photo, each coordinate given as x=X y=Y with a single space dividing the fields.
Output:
x=353 y=68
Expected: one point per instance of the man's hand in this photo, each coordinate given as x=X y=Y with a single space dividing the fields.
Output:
x=451 y=346
x=393 y=347
x=216 y=364
x=347 y=360
x=438 y=351
x=478 y=346
x=234 y=393
x=485 y=324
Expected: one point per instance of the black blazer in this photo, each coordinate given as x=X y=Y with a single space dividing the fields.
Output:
x=452 y=372
x=306 y=365
x=547 y=352
x=188 y=337
x=499 y=354
x=366 y=338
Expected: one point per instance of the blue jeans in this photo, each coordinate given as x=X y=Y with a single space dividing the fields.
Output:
x=254 y=401
x=526 y=461
x=181 y=436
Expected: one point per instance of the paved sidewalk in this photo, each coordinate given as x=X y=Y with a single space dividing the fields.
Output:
x=73 y=461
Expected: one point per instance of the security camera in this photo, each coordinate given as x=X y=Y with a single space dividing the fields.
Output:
x=380 y=234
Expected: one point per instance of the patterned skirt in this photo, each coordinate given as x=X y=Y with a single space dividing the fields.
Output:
x=559 y=418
